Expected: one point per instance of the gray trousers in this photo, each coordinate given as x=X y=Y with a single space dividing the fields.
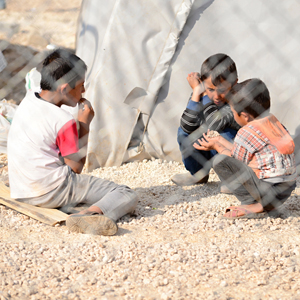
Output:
x=245 y=185
x=114 y=200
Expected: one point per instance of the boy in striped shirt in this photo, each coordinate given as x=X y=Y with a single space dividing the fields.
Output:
x=206 y=109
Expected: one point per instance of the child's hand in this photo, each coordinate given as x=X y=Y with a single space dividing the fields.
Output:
x=194 y=80
x=206 y=143
x=85 y=111
x=197 y=86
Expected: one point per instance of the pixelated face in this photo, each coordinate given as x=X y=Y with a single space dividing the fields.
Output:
x=217 y=93
x=74 y=95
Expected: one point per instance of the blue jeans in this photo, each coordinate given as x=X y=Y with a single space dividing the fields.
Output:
x=194 y=160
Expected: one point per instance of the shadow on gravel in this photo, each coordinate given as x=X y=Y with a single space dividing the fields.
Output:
x=156 y=200
x=122 y=231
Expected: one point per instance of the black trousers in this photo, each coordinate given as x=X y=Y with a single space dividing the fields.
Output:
x=244 y=184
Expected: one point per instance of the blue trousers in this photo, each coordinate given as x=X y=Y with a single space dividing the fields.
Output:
x=194 y=160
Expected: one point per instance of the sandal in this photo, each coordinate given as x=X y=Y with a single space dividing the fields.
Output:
x=248 y=214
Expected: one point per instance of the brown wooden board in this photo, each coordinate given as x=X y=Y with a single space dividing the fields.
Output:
x=44 y=215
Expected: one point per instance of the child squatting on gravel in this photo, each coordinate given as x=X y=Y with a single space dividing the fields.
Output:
x=206 y=109
x=46 y=152
x=259 y=167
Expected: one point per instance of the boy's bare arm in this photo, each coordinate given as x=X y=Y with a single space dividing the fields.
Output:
x=225 y=143
x=86 y=114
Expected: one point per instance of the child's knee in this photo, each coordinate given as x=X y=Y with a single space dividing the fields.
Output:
x=130 y=198
x=219 y=160
x=123 y=206
x=133 y=200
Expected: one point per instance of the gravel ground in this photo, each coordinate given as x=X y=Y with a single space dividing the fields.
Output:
x=175 y=246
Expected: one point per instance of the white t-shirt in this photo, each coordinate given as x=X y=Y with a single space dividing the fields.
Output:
x=40 y=132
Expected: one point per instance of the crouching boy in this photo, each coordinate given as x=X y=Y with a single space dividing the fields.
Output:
x=259 y=167
x=206 y=109
x=46 y=152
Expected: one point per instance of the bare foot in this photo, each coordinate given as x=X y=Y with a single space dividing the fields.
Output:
x=89 y=211
x=255 y=208
x=92 y=208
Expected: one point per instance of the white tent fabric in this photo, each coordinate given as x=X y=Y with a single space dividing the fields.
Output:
x=139 y=54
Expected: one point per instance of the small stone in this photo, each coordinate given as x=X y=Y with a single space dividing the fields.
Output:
x=261 y=282
x=223 y=283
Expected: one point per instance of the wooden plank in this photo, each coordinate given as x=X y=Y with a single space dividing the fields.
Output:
x=44 y=215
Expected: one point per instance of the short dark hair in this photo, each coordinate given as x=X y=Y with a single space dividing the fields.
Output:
x=251 y=96
x=59 y=67
x=220 y=67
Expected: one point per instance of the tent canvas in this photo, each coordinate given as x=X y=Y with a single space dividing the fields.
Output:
x=139 y=54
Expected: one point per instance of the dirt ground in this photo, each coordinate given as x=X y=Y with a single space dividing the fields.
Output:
x=26 y=28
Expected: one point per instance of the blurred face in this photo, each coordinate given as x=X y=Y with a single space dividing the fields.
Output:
x=74 y=95
x=217 y=93
x=240 y=119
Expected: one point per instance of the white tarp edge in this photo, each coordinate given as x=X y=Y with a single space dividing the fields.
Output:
x=127 y=64
x=140 y=52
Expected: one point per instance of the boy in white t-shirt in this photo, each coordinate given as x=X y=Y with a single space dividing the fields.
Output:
x=46 y=153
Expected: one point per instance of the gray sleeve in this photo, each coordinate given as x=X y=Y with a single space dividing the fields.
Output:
x=219 y=119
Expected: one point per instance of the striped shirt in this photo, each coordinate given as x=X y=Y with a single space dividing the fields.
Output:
x=205 y=113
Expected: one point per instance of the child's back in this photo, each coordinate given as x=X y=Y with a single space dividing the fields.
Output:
x=262 y=143
x=266 y=147
x=33 y=155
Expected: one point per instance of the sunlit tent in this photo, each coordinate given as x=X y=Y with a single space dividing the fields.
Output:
x=139 y=54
